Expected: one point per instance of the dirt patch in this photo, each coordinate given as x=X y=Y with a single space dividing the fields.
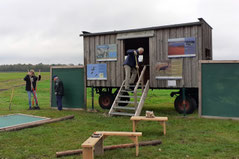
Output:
x=3 y=90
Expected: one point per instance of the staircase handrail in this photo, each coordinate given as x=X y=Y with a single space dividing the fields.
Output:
x=142 y=99
x=137 y=85
x=117 y=96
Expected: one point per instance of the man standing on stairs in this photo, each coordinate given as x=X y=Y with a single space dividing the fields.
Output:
x=131 y=66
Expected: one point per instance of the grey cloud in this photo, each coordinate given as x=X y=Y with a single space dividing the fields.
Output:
x=48 y=31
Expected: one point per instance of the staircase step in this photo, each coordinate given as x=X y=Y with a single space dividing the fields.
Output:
x=122 y=113
x=123 y=96
x=130 y=91
x=125 y=108
x=135 y=85
x=120 y=101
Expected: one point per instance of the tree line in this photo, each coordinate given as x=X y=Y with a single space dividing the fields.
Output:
x=26 y=67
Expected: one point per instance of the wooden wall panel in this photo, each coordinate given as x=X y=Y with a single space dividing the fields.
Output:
x=86 y=56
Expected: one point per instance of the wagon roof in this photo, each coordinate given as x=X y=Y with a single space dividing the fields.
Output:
x=201 y=20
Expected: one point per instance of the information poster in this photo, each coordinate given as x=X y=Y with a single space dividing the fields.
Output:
x=97 y=71
x=182 y=47
x=170 y=69
x=106 y=52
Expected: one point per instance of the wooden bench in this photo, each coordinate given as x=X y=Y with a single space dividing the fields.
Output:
x=94 y=144
x=161 y=120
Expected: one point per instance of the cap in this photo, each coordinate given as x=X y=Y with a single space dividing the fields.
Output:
x=54 y=77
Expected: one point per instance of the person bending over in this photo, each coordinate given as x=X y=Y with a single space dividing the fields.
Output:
x=130 y=66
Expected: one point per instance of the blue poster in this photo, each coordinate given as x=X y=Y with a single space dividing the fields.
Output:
x=97 y=71
x=106 y=52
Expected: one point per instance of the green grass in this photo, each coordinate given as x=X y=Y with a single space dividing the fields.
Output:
x=189 y=137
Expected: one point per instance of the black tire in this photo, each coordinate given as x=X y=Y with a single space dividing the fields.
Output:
x=106 y=100
x=191 y=105
x=124 y=99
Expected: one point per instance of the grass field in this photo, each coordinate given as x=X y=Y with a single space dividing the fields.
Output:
x=189 y=137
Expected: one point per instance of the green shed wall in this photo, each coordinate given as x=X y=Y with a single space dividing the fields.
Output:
x=220 y=89
x=74 y=88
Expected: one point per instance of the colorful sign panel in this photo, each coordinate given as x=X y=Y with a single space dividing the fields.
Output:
x=106 y=52
x=170 y=69
x=97 y=71
x=182 y=47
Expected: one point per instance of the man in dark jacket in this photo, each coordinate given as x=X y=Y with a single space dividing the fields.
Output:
x=59 y=91
x=130 y=66
x=31 y=82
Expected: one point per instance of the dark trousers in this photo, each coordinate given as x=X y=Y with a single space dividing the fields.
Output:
x=59 y=102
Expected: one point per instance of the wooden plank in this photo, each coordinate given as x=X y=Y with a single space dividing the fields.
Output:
x=199 y=42
x=120 y=70
x=186 y=63
x=180 y=34
x=92 y=56
x=113 y=63
x=149 y=119
x=219 y=61
x=194 y=60
x=164 y=55
x=130 y=35
x=87 y=55
x=152 y=60
x=219 y=117
x=88 y=153
x=97 y=42
x=158 y=83
x=99 y=147
x=118 y=133
x=101 y=83
x=90 y=142
x=118 y=67
x=110 y=69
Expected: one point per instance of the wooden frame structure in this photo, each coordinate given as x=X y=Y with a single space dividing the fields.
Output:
x=161 y=120
x=157 y=50
x=200 y=86
x=94 y=145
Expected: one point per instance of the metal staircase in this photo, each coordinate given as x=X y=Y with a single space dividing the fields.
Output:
x=130 y=103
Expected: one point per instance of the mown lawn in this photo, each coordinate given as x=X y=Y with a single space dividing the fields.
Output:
x=189 y=137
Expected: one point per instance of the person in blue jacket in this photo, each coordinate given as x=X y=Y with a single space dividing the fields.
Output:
x=131 y=66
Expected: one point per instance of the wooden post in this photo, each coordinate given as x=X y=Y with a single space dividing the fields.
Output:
x=137 y=145
x=164 y=127
x=88 y=153
x=134 y=125
x=99 y=148
x=135 y=140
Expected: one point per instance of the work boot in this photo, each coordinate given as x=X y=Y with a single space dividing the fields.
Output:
x=37 y=107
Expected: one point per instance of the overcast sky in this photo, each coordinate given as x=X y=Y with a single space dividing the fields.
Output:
x=47 y=31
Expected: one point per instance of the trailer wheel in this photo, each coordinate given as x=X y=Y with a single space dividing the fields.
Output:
x=106 y=100
x=124 y=99
x=189 y=107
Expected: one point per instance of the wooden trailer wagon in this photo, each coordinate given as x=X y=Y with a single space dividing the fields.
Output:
x=170 y=61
